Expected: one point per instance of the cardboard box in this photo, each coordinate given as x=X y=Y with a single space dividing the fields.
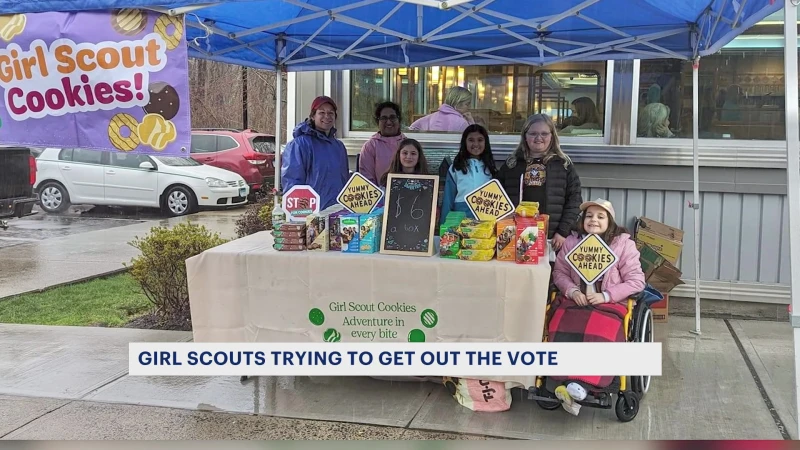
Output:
x=658 y=272
x=660 y=310
x=666 y=240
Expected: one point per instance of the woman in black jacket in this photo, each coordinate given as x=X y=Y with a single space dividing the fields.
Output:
x=538 y=171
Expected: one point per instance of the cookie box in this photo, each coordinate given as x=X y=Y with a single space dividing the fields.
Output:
x=334 y=225
x=528 y=234
x=286 y=226
x=317 y=233
x=369 y=238
x=476 y=229
x=476 y=255
x=506 y=239
x=278 y=234
x=349 y=231
x=291 y=241
x=455 y=216
x=449 y=241
x=479 y=244
x=288 y=247
x=527 y=209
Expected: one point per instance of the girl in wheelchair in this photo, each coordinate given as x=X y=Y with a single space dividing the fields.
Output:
x=593 y=315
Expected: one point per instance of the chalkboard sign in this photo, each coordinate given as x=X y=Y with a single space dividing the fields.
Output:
x=409 y=215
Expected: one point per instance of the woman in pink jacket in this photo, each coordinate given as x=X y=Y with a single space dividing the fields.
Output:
x=453 y=116
x=377 y=153
x=581 y=314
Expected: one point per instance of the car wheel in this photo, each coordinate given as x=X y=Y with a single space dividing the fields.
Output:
x=179 y=201
x=53 y=197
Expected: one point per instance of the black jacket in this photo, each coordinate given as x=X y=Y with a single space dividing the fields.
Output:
x=563 y=189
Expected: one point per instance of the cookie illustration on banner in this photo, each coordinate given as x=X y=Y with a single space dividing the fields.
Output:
x=156 y=131
x=11 y=26
x=164 y=100
x=119 y=123
x=128 y=21
x=173 y=38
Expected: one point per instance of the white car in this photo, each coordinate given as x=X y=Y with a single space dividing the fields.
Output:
x=177 y=185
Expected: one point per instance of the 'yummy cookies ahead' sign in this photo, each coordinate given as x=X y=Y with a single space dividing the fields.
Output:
x=113 y=81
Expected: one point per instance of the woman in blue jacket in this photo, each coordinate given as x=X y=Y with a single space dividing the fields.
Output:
x=315 y=157
x=473 y=166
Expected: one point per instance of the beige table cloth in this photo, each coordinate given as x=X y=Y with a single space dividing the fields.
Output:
x=245 y=291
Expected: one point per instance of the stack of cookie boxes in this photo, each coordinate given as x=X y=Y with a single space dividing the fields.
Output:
x=333 y=229
x=466 y=239
x=521 y=238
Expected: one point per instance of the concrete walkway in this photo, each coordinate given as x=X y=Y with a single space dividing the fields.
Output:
x=44 y=264
x=72 y=383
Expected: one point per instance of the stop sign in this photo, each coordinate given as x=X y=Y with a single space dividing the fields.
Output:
x=299 y=202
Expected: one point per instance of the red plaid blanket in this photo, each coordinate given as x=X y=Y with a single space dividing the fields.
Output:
x=573 y=323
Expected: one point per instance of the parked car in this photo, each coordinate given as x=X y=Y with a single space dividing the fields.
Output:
x=17 y=177
x=246 y=152
x=177 y=185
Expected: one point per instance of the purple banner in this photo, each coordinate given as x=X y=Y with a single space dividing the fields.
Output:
x=114 y=81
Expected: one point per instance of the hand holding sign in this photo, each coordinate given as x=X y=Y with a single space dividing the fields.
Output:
x=591 y=259
x=490 y=202
x=359 y=195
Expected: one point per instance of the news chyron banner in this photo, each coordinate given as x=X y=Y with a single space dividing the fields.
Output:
x=115 y=81
x=503 y=361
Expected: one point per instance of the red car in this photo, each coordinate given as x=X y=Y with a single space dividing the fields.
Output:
x=245 y=152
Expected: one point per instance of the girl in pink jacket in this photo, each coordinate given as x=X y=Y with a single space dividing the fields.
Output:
x=624 y=279
x=581 y=314
x=377 y=153
x=453 y=115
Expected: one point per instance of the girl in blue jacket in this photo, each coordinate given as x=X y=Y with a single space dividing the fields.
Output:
x=473 y=166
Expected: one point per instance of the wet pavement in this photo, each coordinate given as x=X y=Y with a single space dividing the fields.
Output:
x=79 y=247
x=77 y=220
x=707 y=392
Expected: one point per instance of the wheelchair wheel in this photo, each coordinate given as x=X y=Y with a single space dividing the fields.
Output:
x=644 y=334
x=627 y=409
x=548 y=406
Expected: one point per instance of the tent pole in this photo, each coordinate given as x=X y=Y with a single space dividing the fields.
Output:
x=278 y=104
x=793 y=177
x=695 y=205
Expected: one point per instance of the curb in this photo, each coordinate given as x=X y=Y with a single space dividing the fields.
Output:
x=68 y=283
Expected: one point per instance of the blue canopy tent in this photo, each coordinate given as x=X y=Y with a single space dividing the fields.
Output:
x=308 y=35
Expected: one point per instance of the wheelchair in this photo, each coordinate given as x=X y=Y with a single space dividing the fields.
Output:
x=630 y=390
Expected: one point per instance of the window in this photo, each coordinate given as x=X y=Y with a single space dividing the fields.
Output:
x=129 y=160
x=226 y=143
x=741 y=91
x=203 y=143
x=177 y=161
x=499 y=97
x=65 y=154
x=87 y=156
x=263 y=144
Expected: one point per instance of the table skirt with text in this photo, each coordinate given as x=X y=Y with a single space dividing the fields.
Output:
x=245 y=291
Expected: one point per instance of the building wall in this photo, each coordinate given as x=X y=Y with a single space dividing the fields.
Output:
x=744 y=213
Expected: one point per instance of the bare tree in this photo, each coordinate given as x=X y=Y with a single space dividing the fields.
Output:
x=216 y=97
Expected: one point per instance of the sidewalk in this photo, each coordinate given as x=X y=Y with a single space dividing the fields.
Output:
x=44 y=264
x=63 y=379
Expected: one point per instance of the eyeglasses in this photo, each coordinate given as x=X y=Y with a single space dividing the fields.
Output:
x=388 y=119
x=541 y=135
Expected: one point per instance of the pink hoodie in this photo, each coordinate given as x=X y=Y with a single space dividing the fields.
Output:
x=624 y=279
x=445 y=119
x=376 y=156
